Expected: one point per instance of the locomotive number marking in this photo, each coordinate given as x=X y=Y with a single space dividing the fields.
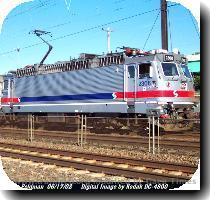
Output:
x=169 y=58
x=145 y=83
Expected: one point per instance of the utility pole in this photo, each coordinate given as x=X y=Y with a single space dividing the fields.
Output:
x=164 y=25
x=108 y=30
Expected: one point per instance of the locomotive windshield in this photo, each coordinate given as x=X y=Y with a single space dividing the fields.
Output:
x=186 y=71
x=170 y=69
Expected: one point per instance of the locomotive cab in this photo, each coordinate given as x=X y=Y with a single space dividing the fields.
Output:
x=178 y=83
x=155 y=82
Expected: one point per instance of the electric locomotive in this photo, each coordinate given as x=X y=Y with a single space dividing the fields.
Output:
x=128 y=82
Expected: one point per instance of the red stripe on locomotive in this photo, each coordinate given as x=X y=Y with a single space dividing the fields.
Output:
x=9 y=100
x=155 y=94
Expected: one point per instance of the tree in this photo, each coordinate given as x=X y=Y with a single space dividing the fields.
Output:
x=196 y=81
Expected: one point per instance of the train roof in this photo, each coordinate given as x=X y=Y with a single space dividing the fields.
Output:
x=87 y=61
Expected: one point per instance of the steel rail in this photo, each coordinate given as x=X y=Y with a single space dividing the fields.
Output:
x=133 y=140
x=130 y=173
x=107 y=158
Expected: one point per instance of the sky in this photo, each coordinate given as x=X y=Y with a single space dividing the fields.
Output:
x=76 y=27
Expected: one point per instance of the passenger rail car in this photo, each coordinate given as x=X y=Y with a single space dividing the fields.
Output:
x=123 y=82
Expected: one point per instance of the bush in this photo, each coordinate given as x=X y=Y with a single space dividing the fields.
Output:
x=197 y=81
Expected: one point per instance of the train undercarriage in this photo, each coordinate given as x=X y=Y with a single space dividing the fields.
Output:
x=124 y=124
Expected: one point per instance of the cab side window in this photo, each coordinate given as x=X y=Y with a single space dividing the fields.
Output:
x=5 y=85
x=131 y=71
x=144 y=70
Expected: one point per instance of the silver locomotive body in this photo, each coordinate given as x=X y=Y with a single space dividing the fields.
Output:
x=114 y=83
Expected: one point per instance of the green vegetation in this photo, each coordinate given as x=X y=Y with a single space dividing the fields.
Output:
x=197 y=81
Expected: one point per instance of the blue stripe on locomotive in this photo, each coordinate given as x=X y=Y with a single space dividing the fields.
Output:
x=68 y=97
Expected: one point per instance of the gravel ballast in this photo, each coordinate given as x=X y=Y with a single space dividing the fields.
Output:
x=27 y=171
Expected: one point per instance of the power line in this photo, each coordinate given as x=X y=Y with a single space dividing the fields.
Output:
x=45 y=3
x=68 y=4
x=194 y=24
x=151 y=30
x=109 y=23
x=26 y=11
x=67 y=22
x=119 y=1
x=41 y=2
x=90 y=29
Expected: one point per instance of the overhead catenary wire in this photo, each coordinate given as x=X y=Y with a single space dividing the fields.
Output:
x=90 y=29
x=151 y=30
x=119 y=1
x=27 y=11
x=68 y=4
x=43 y=4
x=194 y=24
x=64 y=23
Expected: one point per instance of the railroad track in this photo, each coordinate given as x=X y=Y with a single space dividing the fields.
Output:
x=112 y=139
x=131 y=168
